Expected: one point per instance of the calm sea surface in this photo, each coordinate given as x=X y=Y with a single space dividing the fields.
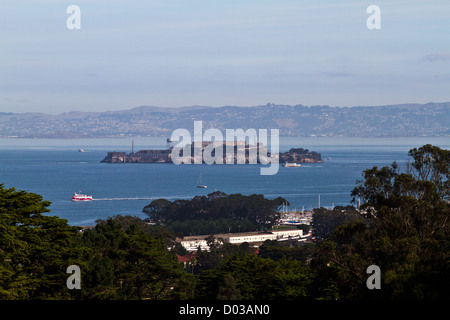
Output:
x=55 y=169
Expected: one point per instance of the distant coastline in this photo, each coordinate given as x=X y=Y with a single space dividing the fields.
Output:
x=401 y=120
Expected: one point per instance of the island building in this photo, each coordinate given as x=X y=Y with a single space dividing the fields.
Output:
x=165 y=155
x=251 y=150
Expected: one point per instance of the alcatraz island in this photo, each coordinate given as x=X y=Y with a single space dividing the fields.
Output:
x=294 y=155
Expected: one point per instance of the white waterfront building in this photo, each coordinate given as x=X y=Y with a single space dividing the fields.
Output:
x=192 y=243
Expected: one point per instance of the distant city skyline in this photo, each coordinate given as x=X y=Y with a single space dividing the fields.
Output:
x=217 y=53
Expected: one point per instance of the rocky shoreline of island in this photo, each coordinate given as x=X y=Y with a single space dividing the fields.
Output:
x=294 y=155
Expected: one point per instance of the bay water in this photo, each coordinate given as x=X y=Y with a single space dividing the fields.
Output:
x=55 y=169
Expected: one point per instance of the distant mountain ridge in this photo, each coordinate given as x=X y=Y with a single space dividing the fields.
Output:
x=402 y=120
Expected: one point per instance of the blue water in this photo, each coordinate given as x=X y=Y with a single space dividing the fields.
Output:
x=55 y=169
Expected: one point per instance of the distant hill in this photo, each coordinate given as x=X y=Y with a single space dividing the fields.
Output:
x=431 y=119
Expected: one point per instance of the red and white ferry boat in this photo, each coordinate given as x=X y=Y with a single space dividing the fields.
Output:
x=81 y=197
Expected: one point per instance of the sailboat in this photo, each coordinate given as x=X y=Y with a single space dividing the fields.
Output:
x=199 y=182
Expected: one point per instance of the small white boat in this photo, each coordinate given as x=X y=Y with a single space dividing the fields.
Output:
x=292 y=165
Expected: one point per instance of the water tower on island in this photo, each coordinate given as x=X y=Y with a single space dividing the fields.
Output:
x=169 y=143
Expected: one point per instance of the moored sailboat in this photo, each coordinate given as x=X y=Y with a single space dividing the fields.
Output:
x=199 y=182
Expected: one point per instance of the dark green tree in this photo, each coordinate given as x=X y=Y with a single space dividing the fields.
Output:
x=136 y=262
x=256 y=278
x=407 y=234
x=219 y=251
x=294 y=250
x=325 y=221
x=35 y=249
x=216 y=213
x=228 y=290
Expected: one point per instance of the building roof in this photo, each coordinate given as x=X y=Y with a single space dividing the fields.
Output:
x=186 y=257
x=225 y=235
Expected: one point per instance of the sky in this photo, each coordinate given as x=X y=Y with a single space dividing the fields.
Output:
x=215 y=53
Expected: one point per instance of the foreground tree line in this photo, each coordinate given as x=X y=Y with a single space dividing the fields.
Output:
x=403 y=228
x=216 y=213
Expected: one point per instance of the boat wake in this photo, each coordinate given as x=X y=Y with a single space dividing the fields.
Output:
x=118 y=199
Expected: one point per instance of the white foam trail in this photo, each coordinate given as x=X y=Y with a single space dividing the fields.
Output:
x=114 y=199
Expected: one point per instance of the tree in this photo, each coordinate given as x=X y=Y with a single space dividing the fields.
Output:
x=137 y=263
x=219 y=251
x=431 y=163
x=156 y=209
x=228 y=290
x=216 y=213
x=35 y=249
x=426 y=178
x=326 y=221
x=294 y=250
x=406 y=233
x=256 y=278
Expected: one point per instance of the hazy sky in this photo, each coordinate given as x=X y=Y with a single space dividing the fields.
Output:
x=179 y=53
